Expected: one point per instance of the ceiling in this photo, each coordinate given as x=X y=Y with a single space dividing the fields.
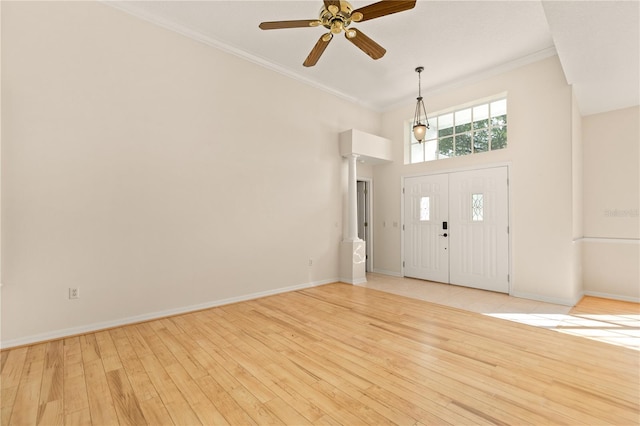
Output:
x=598 y=43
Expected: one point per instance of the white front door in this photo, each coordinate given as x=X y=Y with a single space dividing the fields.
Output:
x=456 y=228
x=425 y=244
x=479 y=220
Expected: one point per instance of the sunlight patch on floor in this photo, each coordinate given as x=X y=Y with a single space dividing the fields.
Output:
x=616 y=330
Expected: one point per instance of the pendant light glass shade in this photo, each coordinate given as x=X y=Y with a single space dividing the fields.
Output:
x=419 y=126
x=419 y=132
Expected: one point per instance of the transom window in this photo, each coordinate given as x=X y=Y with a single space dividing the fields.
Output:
x=464 y=131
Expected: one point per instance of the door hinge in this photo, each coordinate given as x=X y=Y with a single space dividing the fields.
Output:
x=366 y=224
x=508 y=278
x=403 y=190
x=403 y=263
x=507 y=229
x=403 y=226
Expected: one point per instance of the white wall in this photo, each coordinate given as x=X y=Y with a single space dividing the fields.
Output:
x=540 y=158
x=611 y=248
x=0 y=174
x=155 y=173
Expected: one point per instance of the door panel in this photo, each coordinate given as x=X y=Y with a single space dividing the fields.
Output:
x=425 y=209
x=479 y=229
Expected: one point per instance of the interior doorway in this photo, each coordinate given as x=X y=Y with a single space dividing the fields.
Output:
x=364 y=219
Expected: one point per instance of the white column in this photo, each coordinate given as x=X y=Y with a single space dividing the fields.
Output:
x=352 y=208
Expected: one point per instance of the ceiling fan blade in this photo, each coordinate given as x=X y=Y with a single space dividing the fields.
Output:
x=382 y=8
x=276 y=25
x=317 y=50
x=365 y=44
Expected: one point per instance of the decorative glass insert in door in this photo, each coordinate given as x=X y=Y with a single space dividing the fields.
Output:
x=424 y=209
x=477 y=207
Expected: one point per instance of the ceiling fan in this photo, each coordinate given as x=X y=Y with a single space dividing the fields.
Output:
x=336 y=16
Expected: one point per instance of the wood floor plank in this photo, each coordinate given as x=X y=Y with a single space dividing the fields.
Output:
x=3 y=359
x=209 y=414
x=285 y=412
x=137 y=341
x=224 y=402
x=108 y=353
x=78 y=418
x=156 y=345
x=253 y=407
x=155 y=412
x=51 y=407
x=12 y=368
x=76 y=397
x=51 y=413
x=187 y=386
x=74 y=389
x=89 y=348
x=124 y=398
x=182 y=413
x=100 y=401
x=165 y=387
x=181 y=354
x=25 y=407
x=137 y=375
x=8 y=397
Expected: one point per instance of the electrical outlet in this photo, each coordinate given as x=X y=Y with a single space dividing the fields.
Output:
x=74 y=293
x=310 y=262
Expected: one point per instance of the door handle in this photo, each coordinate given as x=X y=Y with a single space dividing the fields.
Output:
x=443 y=235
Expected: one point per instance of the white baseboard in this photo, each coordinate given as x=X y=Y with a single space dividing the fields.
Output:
x=390 y=273
x=612 y=296
x=634 y=241
x=74 y=331
x=354 y=282
x=554 y=300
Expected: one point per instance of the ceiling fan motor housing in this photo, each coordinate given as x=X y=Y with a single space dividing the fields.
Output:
x=336 y=18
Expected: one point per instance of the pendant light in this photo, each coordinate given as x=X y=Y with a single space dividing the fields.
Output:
x=420 y=127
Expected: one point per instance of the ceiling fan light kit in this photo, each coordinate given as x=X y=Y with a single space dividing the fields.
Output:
x=420 y=127
x=336 y=16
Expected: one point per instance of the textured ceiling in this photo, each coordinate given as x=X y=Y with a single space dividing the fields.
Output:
x=456 y=41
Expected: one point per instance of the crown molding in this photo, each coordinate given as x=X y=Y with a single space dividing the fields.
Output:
x=479 y=76
x=131 y=9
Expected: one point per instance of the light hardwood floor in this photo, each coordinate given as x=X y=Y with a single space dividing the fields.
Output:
x=334 y=354
x=611 y=321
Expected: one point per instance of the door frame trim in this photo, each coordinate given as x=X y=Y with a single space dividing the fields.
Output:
x=369 y=228
x=506 y=164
